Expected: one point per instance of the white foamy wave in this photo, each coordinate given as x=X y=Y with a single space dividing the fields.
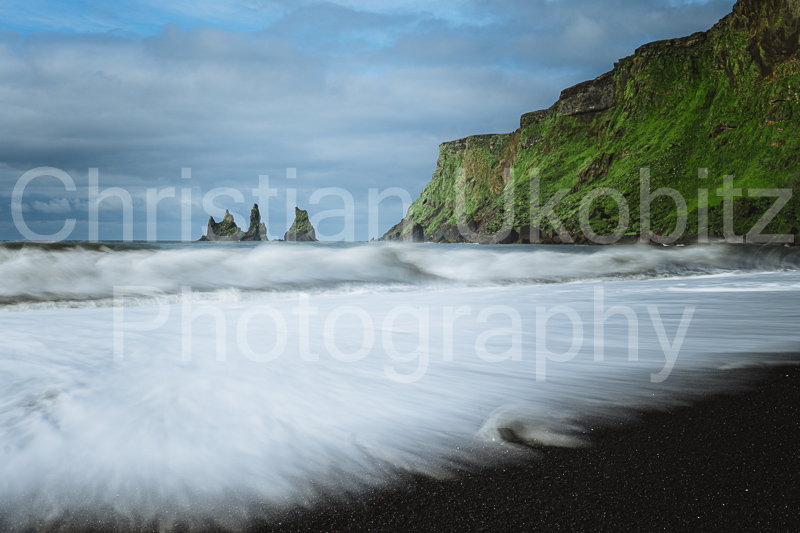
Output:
x=86 y=275
x=135 y=432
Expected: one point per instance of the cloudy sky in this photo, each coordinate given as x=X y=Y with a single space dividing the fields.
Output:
x=346 y=94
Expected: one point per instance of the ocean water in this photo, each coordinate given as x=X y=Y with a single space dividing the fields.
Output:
x=155 y=385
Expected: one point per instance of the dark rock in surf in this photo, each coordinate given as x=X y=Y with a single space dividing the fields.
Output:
x=226 y=230
x=257 y=230
x=301 y=230
x=417 y=233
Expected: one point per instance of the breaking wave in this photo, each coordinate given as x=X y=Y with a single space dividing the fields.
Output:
x=130 y=419
x=86 y=274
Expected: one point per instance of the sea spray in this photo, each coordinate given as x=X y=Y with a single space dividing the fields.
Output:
x=151 y=437
x=86 y=273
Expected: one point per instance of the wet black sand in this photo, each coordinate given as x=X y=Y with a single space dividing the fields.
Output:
x=729 y=463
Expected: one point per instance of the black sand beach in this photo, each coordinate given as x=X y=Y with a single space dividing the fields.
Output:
x=728 y=463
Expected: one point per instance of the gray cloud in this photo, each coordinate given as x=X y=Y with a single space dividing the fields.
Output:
x=353 y=97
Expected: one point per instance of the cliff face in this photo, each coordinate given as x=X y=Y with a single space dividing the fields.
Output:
x=726 y=100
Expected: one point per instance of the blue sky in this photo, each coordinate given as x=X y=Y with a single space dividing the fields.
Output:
x=352 y=94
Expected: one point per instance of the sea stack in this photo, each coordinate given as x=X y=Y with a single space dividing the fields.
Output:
x=227 y=230
x=257 y=230
x=301 y=230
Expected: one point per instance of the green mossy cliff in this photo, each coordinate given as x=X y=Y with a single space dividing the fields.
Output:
x=726 y=100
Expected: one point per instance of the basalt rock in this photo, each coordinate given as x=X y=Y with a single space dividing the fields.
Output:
x=416 y=233
x=226 y=230
x=588 y=97
x=301 y=230
x=257 y=230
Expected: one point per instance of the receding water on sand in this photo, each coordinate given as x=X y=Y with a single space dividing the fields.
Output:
x=263 y=376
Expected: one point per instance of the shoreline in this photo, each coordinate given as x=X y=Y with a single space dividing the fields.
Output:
x=726 y=463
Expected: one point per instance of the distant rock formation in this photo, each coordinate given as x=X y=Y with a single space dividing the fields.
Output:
x=227 y=230
x=257 y=230
x=301 y=230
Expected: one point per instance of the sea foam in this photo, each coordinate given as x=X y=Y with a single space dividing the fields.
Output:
x=106 y=417
x=71 y=274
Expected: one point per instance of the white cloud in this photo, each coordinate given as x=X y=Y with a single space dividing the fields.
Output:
x=58 y=206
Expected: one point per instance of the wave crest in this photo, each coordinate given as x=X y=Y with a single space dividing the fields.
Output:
x=87 y=273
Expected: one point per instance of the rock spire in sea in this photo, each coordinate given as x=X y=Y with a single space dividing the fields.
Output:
x=227 y=230
x=301 y=230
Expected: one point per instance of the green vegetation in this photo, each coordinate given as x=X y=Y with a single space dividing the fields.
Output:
x=727 y=100
x=225 y=228
x=301 y=230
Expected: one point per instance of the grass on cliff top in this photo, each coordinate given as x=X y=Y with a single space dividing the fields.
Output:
x=678 y=110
